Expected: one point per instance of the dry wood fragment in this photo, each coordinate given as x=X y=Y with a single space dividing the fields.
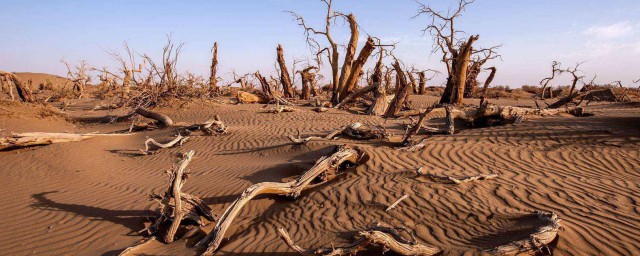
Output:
x=355 y=130
x=213 y=126
x=279 y=109
x=21 y=140
x=178 y=140
x=136 y=247
x=324 y=169
x=537 y=243
x=394 y=204
x=179 y=208
x=452 y=180
x=160 y=117
x=387 y=237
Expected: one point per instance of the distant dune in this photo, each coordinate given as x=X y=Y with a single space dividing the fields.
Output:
x=41 y=78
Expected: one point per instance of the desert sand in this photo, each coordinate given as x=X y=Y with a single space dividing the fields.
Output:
x=92 y=197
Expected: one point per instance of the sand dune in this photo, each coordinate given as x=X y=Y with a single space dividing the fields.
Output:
x=91 y=197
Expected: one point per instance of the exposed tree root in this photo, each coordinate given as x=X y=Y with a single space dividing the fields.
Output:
x=355 y=130
x=178 y=140
x=21 y=140
x=452 y=180
x=213 y=126
x=387 y=237
x=186 y=209
x=537 y=242
x=325 y=169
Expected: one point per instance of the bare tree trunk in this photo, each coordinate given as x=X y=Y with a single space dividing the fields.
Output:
x=307 y=83
x=472 y=76
x=422 y=83
x=402 y=92
x=23 y=91
x=349 y=56
x=454 y=92
x=213 y=79
x=486 y=85
x=356 y=69
x=285 y=79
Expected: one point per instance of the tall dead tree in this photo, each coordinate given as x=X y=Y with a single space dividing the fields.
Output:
x=343 y=79
x=24 y=92
x=285 y=79
x=555 y=70
x=474 y=70
x=456 y=53
x=213 y=78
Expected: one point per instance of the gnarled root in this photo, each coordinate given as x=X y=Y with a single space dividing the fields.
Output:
x=537 y=242
x=184 y=208
x=213 y=126
x=325 y=169
x=387 y=237
x=452 y=180
x=178 y=140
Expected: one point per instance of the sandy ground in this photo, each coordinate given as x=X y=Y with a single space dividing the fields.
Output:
x=91 y=197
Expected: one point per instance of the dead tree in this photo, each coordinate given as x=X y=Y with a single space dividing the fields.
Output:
x=343 y=79
x=79 y=77
x=456 y=53
x=380 y=103
x=555 y=70
x=128 y=68
x=179 y=208
x=574 y=72
x=474 y=70
x=487 y=82
x=308 y=82
x=24 y=92
x=402 y=92
x=285 y=79
x=325 y=169
x=213 y=78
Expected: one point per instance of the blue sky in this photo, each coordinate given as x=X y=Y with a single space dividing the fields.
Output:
x=37 y=34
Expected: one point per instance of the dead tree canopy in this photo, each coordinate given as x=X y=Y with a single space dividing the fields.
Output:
x=555 y=70
x=456 y=53
x=344 y=79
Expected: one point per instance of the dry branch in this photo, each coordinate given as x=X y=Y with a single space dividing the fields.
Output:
x=185 y=209
x=355 y=130
x=387 y=237
x=160 y=117
x=325 y=169
x=452 y=180
x=538 y=242
x=394 y=204
x=178 y=140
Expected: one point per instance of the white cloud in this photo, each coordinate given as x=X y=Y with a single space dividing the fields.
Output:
x=612 y=31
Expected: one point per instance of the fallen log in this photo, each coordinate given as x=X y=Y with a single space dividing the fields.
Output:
x=325 y=169
x=538 y=242
x=185 y=209
x=452 y=180
x=387 y=237
x=21 y=140
x=160 y=117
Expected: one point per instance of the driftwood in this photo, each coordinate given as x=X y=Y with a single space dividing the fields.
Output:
x=160 y=117
x=381 y=235
x=177 y=207
x=537 y=242
x=452 y=180
x=355 y=130
x=324 y=169
x=213 y=126
x=136 y=247
x=21 y=140
x=408 y=144
x=178 y=140
x=280 y=108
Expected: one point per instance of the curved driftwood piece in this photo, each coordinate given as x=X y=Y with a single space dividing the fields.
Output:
x=387 y=237
x=178 y=140
x=213 y=126
x=325 y=169
x=355 y=131
x=136 y=247
x=537 y=242
x=160 y=117
x=394 y=204
x=452 y=180
x=185 y=207
x=21 y=140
